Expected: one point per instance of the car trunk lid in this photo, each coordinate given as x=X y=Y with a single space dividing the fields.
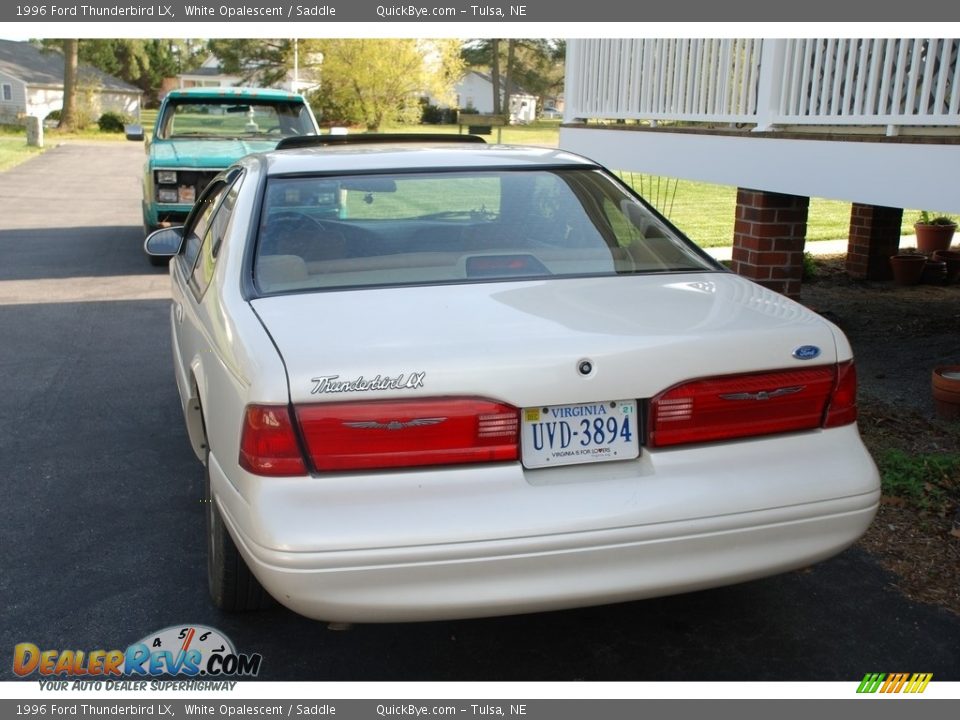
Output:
x=525 y=343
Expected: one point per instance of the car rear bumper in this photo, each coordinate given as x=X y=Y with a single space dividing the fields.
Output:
x=505 y=578
x=345 y=570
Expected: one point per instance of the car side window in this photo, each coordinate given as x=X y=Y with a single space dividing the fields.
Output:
x=222 y=204
x=198 y=224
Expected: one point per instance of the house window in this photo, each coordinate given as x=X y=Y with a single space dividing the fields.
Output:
x=7 y=92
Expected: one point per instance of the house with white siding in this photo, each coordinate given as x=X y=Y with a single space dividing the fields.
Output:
x=31 y=84
x=210 y=74
x=475 y=91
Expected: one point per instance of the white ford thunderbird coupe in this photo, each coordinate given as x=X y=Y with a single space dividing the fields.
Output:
x=436 y=378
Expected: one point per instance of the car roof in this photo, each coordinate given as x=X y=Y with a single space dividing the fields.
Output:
x=236 y=93
x=369 y=157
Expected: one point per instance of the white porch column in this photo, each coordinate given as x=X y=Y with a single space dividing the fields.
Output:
x=770 y=85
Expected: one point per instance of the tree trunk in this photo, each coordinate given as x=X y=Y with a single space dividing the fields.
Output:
x=68 y=115
x=495 y=74
x=511 y=44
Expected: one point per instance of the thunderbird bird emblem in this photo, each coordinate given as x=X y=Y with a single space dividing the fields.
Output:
x=763 y=394
x=394 y=424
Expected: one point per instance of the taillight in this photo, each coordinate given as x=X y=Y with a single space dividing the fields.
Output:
x=842 y=409
x=268 y=444
x=738 y=406
x=402 y=433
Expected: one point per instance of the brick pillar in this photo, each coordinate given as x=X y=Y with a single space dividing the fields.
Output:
x=768 y=239
x=874 y=237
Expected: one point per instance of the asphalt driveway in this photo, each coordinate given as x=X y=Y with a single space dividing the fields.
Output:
x=102 y=526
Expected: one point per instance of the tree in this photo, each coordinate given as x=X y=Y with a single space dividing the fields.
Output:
x=168 y=58
x=265 y=61
x=495 y=75
x=142 y=63
x=123 y=58
x=375 y=81
x=536 y=64
x=68 y=114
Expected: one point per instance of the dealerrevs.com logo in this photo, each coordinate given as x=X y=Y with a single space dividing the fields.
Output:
x=895 y=682
x=191 y=651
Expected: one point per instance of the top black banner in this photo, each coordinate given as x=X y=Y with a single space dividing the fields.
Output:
x=467 y=11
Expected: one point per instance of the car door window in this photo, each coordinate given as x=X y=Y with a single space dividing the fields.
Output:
x=213 y=237
x=205 y=229
x=199 y=223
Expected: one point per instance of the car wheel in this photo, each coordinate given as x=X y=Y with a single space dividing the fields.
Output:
x=232 y=586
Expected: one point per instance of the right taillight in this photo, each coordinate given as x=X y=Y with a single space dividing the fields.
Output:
x=756 y=404
x=842 y=408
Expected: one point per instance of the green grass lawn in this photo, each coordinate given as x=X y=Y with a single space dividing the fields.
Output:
x=14 y=150
x=703 y=211
x=706 y=212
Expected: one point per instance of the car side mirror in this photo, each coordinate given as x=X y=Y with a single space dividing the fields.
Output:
x=165 y=242
x=134 y=132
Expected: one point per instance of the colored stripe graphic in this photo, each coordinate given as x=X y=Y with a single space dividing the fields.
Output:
x=918 y=683
x=894 y=682
x=871 y=682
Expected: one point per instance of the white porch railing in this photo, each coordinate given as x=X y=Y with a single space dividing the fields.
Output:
x=765 y=83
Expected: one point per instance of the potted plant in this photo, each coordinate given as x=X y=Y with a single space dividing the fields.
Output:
x=907 y=268
x=952 y=259
x=934 y=233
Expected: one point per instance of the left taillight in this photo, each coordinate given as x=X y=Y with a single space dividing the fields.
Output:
x=401 y=433
x=268 y=443
x=740 y=406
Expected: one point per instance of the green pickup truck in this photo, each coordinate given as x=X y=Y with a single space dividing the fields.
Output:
x=200 y=131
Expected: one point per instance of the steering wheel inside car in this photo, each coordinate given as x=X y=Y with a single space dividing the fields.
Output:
x=296 y=233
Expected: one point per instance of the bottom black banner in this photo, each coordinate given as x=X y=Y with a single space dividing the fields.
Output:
x=875 y=709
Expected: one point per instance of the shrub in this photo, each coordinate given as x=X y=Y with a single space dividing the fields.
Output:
x=435 y=115
x=111 y=122
x=928 y=481
x=431 y=114
x=809 y=267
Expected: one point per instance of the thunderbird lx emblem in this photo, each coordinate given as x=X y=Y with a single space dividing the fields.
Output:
x=333 y=383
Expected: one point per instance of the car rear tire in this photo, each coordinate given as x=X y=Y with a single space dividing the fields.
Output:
x=232 y=586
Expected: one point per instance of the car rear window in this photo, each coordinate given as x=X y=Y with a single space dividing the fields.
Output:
x=455 y=227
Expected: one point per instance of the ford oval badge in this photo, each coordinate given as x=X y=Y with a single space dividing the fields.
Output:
x=806 y=352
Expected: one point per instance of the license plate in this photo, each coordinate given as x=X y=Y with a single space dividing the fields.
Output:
x=582 y=433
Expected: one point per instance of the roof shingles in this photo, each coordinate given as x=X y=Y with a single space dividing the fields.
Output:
x=33 y=66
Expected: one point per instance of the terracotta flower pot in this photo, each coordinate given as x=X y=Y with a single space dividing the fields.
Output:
x=946 y=391
x=907 y=268
x=932 y=237
x=952 y=259
x=934 y=272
